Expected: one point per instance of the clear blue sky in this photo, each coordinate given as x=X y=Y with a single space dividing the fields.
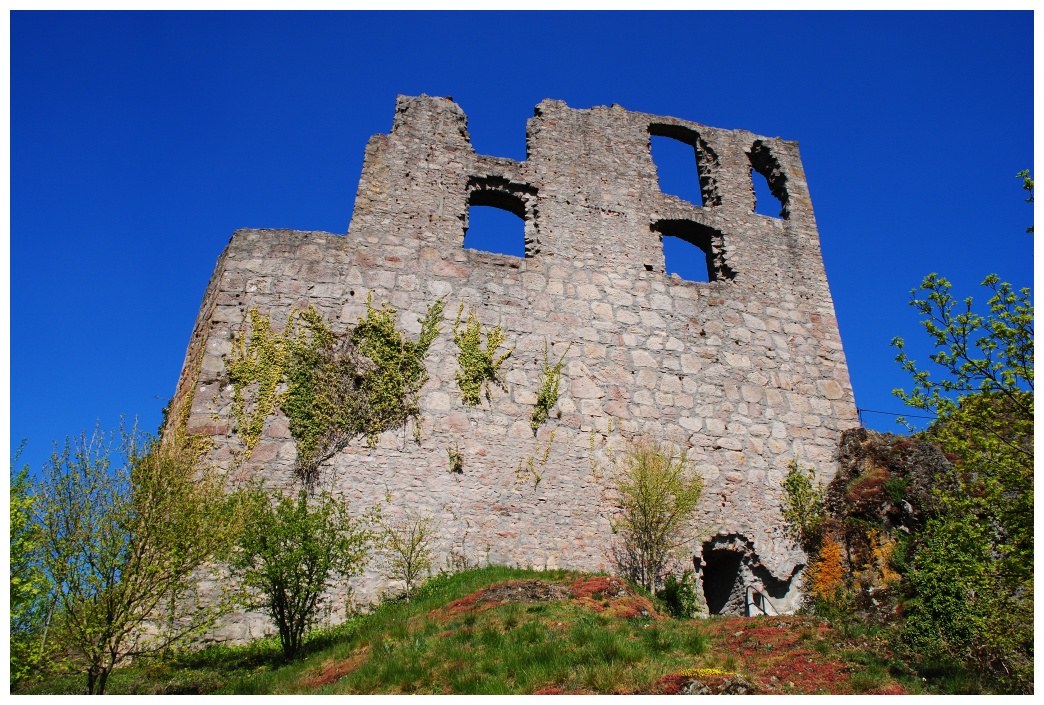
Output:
x=141 y=141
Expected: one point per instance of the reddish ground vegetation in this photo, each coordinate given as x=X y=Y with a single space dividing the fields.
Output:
x=512 y=591
x=868 y=487
x=774 y=655
x=670 y=684
x=333 y=671
x=604 y=594
x=599 y=586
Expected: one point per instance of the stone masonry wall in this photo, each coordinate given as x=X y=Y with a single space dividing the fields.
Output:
x=745 y=371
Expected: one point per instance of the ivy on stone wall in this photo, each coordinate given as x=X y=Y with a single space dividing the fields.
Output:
x=333 y=388
x=547 y=397
x=258 y=360
x=479 y=367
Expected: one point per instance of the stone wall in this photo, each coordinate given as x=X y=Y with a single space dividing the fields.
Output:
x=746 y=370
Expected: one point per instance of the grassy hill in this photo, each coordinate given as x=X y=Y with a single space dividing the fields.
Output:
x=504 y=630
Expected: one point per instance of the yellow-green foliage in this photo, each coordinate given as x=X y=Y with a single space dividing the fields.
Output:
x=397 y=372
x=531 y=467
x=705 y=673
x=479 y=367
x=804 y=505
x=334 y=387
x=547 y=397
x=656 y=493
x=259 y=360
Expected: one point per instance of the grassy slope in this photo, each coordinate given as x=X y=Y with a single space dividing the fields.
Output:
x=596 y=639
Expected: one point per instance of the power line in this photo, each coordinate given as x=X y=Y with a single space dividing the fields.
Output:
x=889 y=413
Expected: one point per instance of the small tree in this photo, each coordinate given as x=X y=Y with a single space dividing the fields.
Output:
x=971 y=576
x=656 y=493
x=407 y=544
x=804 y=505
x=29 y=587
x=291 y=552
x=123 y=543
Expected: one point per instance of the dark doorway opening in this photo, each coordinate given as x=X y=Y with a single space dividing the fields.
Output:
x=720 y=575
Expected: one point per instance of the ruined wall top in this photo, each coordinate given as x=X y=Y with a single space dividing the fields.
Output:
x=588 y=189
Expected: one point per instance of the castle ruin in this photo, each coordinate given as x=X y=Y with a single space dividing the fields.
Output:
x=746 y=370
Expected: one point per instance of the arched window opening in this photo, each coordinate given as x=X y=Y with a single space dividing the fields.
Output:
x=495 y=223
x=685 y=259
x=769 y=182
x=693 y=251
x=676 y=168
x=765 y=203
x=679 y=154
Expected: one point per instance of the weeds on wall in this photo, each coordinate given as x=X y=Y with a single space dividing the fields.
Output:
x=456 y=460
x=333 y=388
x=479 y=367
x=547 y=397
x=532 y=467
x=258 y=360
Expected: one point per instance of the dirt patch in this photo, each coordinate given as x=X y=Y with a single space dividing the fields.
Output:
x=555 y=690
x=613 y=596
x=335 y=671
x=514 y=591
x=599 y=586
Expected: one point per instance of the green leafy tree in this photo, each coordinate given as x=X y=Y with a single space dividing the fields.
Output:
x=407 y=542
x=656 y=493
x=293 y=549
x=804 y=505
x=971 y=576
x=1027 y=185
x=30 y=589
x=125 y=544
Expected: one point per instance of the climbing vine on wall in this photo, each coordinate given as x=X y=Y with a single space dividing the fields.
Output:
x=479 y=367
x=547 y=397
x=332 y=387
x=260 y=361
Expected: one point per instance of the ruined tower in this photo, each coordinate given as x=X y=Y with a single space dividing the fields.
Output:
x=745 y=370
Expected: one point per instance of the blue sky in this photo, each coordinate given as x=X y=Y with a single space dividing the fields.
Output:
x=141 y=141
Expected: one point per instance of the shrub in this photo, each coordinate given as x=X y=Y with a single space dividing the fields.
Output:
x=407 y=544
x=656 y=493
x=124 y=543
x=804 y=507
x=679 y=595
x=291 y=552
x=971 y=575
x=30 y=590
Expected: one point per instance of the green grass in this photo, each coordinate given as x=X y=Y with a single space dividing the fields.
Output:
x=567 y=645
